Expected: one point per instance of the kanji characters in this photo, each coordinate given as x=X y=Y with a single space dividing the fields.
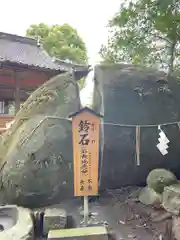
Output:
x=84 y=126
x=83 y=139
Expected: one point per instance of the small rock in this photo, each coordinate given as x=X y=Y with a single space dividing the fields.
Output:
x=132 y=236
x=122 y=222
x=150 y=198
x=168 y=233
x=90 y=213
x=54 y=218
x=160 y=237
x=176 y=227
x=171 y=199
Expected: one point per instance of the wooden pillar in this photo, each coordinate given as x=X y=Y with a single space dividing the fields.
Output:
x=6 y=107
x=17 y=92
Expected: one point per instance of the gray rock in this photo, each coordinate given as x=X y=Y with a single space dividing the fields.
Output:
x=150 y=198
x=171 y=199
x=160 y=178
x=17 y=223
x=176 y=228
x=36 y=153
x=134 y=95
x=168 y=232
x=160 y=216
x=54 y=218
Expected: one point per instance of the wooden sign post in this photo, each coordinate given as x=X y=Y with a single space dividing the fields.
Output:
x=85 y=132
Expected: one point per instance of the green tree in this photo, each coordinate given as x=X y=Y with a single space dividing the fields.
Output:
x=60 y=41
x=145 y=32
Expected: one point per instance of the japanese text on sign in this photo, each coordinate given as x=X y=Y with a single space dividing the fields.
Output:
x=86 y=153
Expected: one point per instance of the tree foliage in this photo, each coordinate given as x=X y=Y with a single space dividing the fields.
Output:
x=145 y=32
x=61 y=41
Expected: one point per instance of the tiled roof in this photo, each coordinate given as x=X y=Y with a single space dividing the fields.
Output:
x=25 y=51
x=79 y=69
x=69 y=65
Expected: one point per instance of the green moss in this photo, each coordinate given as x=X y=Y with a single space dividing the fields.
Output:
x=160 y=178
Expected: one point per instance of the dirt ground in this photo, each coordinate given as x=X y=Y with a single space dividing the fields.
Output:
x=125 y=217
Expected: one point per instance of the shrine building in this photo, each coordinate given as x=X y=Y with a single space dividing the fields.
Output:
x=24 y=66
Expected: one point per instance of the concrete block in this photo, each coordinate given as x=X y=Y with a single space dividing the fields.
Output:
x=85 y=233
x=54 y=218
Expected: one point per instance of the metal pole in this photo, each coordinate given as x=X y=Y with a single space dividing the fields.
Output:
x=86 y=211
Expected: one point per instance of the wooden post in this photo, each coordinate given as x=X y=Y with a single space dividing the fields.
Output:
x=86 y=211
x=85 y=131
x=17 y=92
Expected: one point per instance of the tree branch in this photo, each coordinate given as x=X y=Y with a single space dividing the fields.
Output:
x=160 y=37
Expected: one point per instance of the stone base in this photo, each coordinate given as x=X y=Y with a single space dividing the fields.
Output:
x=54 y=218
x=16 y=223
x=86 y=233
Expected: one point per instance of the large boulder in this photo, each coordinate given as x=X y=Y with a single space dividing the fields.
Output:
x=158 y=179
x=36 y=153
x=127 y=96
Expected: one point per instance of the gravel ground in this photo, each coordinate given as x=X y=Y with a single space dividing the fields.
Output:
x=120 y=210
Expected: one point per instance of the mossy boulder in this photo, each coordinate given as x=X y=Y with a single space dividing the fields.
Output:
x=150 y=198
x=36 y=154
x=129 y=95
x=160 y=178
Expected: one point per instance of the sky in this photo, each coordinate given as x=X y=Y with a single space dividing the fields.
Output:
x=90 y=18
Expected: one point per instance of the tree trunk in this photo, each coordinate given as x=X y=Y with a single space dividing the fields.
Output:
x=172 y=57
x=174 y=40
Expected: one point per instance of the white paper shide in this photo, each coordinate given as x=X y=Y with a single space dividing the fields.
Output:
x=163 y=142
